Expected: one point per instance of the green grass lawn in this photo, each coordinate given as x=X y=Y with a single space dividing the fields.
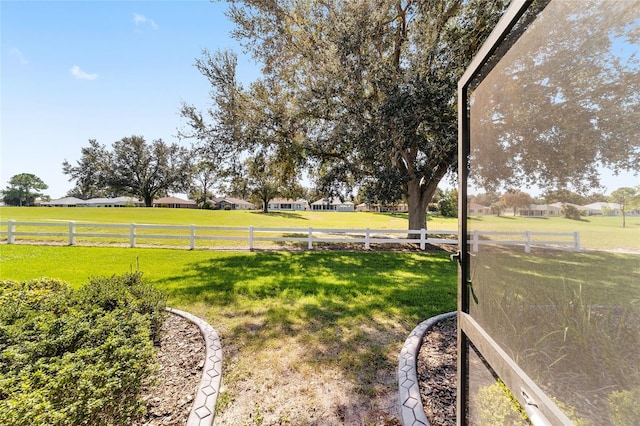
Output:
x=221 y=217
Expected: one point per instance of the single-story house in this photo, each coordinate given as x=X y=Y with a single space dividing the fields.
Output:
x=230 y=203
x=383 y=208
x=112 y=202
x=600 y=208
x=63 y=202
x=364 y=207
x=540 y=210
x=334 y=205
x=288 y=204
x=174 y=203
x=478 y=209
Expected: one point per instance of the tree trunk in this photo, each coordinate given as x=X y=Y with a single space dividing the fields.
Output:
x=148 y=200
x=418 y=197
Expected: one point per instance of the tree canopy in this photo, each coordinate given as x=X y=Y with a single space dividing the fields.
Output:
x=133 y=167
x=359 y=91
x=23 y=189
x=562 y=105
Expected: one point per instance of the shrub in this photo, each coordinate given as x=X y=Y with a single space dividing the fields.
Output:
x=570 y=212
x=623 y=407
x=70 y=358
x=127 y=292
x=498 y=406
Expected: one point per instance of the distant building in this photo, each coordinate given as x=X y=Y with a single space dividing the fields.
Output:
x=383 y=208
x=64 y=202
x=112 y=202
x=540 y=210
x=230 y=203
x=174 y=203
x=600 y=208
x=288 y=204
x=476 y=209
x=334 y=205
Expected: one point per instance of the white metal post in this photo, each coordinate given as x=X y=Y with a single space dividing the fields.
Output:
x=423 y=238
x=476 y=237
x=11 y=232
x=192 y=237
x=310 y=243
x=251 y=237
x=367 y=244
x=527 y=241
x=576 y=240
x=72 y=233
x=132 y=235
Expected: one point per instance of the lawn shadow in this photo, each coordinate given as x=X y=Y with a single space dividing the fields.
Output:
x=286 y=215
x=349 y=310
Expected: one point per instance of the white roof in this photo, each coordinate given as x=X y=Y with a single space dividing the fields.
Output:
x=116 y=200
x=599 y=206
x=65 y=201
x=332 y=201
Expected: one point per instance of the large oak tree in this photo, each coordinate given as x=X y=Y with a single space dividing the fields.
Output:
x=133 y=167
x=359 y=91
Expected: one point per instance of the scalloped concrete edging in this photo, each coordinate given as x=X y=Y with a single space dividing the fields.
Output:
x=204 y=405
x=408 y=385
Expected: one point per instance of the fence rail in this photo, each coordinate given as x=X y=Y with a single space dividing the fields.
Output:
x=528 y=239
x=132 y=234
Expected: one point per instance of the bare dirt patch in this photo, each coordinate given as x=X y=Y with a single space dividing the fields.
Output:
x=181 y=357
x=437 y=373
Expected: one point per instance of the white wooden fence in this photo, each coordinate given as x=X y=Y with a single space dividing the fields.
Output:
x=70 y=232
x=528 y=239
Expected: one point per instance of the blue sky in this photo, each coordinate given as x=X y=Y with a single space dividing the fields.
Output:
x=78 y=70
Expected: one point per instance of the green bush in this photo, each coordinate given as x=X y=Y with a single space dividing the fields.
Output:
x=498 y=406
x=624 y=409
x=128 y=292
x=570 y=212
x=72 y=358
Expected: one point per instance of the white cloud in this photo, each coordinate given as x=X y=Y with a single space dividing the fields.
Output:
x=82 y=75
x=17 y=53
x=143 y=20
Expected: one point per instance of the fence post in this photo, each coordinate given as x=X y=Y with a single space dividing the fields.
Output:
x=132 y=235
x=310 y=243
x=72 y=233
x=367 y=244
x=11 y=232
x=527 y=241
x=576 y=240
x=423 y=238
x=251 y=237
x=476 y=237
x=192 y=236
